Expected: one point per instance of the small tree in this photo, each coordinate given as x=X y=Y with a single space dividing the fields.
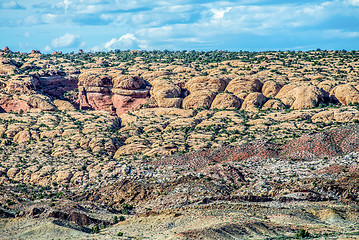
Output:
x=96 y=229
x=301 y=233
x=115 y=219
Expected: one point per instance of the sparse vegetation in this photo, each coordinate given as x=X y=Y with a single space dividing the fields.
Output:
x=186 y=138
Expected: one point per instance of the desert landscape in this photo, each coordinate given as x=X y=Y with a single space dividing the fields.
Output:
x=179 y=145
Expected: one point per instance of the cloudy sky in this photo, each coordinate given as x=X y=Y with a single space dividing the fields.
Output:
x=254 y=25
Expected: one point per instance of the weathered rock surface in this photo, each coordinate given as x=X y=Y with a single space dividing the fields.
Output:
x=41 y=102
x=8 y=104
x=270 y=89
x=346 y=94
x=22 y=136
x=203 y=91
x=198 y=99
x=226 y=101
x=64 y=105
x=85 y=167
x=253 y=101
x=244 y=85
x=95 y=78
x=166 y=93
x=300 y=96
x=206 y=84
x=129 y=92
x=336 y=115
x=128 y=82
x=94 y=90
x=273 y=104
x=111 y=91
x=7 y=66
x=130 y=149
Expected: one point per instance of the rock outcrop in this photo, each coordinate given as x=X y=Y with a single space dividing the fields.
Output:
x=166 y=93
x=130 y=149
x=8 y=104
x=206 y=84
x=244 y=85
x=199 y=99
x=270 y=89
x=7 y=66
x=129 y=92
x=273 y=104
x=345 y=94
x=226 y=101
x=22 y=136
x=95 y=90
x=203 y=91
x=56 y=83
x=253 y=101
x=63 y=105
x=300 y=96
x=111 y=91
x=40 y=102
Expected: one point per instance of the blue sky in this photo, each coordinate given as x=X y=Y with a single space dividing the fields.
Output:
x=102 y=25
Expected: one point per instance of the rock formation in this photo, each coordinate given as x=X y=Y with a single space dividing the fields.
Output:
x=270 y=89
x=244 y=85
x=253 y=101
x=300 y=96
x=111 y=91
x=346 y=94
x=129 y=92
x=173 y=137
x=202 y=91
x=226 y=101
x=166 y=93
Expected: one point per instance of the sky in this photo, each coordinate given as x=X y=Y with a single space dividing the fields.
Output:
x=104 y=25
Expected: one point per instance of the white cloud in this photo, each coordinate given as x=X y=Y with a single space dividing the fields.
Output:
x=95 y=2
x=354 y=3
x=47 y=48
x=29 y=20
x=260 y=20
x=67 y=40
x=179 y=24
x=337 y=33
x=127 y=41
x=11 y=5
x=67 y=3
x=218 y=14
x=49 y=18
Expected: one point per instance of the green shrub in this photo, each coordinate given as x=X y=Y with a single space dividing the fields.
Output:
x=301 y=233
x=96 y=229
x=126 y=208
